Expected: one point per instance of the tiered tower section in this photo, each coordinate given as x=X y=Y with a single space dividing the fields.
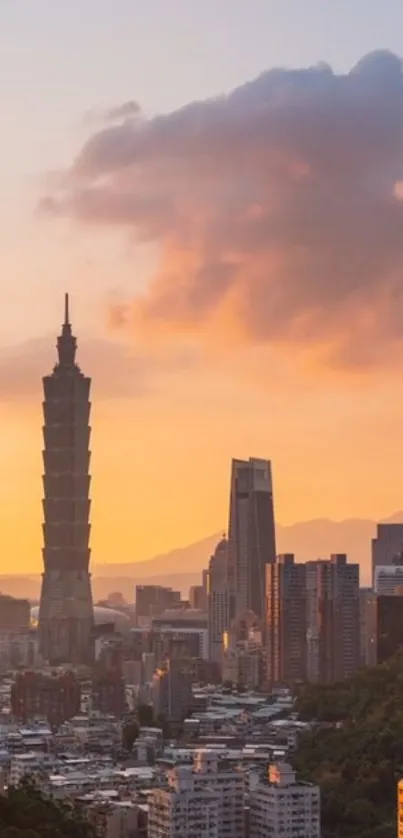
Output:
x=66 y=610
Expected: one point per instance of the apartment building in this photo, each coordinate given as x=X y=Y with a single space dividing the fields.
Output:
x=286 y=623
x=333 y=619
x=205 y=799
x=282 y=806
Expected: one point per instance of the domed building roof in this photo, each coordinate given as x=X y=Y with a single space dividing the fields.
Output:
x=222 y=545
x=102 y=615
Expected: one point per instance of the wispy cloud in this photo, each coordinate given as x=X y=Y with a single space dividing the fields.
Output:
x=117 y=370
x=118 y=113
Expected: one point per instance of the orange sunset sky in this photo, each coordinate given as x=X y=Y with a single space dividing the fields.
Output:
x=231 y=236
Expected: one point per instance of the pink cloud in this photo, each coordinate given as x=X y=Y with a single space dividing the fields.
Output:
x=277 y=210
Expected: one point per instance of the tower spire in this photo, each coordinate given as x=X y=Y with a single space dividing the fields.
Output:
x=66 y=343
x=66 y=310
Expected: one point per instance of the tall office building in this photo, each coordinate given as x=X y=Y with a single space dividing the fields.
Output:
x=389 y=580
x=333 y=619
x=286 y=627
x=387 y=547
x=251 y=535
x=218 y=600
x=66 y=611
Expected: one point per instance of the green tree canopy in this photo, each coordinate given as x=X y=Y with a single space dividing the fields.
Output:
x=355 y=752
x=27 y=813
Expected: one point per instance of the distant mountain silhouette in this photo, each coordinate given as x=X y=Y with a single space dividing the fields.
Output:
x=190 y=559
x=182 y=567
x=308 y=540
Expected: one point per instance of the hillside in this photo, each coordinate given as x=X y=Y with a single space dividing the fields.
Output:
x=27 y=813
x=359 y=763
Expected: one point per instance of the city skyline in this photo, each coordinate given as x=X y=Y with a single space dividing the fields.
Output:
x=303 y=371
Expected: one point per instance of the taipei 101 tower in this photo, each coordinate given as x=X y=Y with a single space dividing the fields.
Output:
x=66 y=611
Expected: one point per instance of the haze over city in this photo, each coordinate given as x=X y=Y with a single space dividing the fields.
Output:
x=201 y=369
x=222 y=200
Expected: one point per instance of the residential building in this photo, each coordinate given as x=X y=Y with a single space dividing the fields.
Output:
x=198 y=598
x=66 y=612
x=218 y=600
x=148 y=661
x=242 y=665
x=55 y=697
x=251 y=535
x=282 y=807
x=333 y=636
x=183 y=808
x=210 y=771
x=15 y=614
x=205 y=799
x=108 y=684
x=387 y=547
x=113 y=819
x=367 y=627
x=18 y=648
x=151 y=600
x=171 y=691
x=30 y=764
x=187 y=625
x=242 y=661
x=286 y=623
x=389 y=627
x=108 y=693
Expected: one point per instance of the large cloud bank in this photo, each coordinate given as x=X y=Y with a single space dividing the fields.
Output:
x=277 y=209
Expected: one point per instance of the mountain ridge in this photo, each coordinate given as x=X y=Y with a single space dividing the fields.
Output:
x=316 y=538
x=182 y=567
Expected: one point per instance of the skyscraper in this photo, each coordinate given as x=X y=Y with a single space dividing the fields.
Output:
x=387 y=547
x=286 y=621
x=251 y=535
x=66 y=611
x=389 y=580
x=218 y=600
x=333 y=619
